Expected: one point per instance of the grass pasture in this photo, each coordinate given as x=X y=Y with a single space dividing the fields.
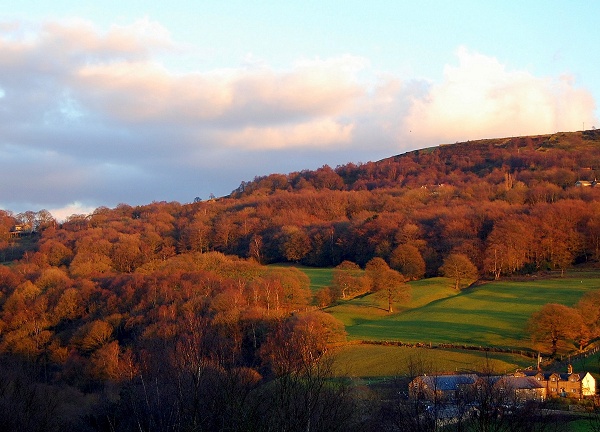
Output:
x=492 y=314
x=370 y=361
x=319 y=277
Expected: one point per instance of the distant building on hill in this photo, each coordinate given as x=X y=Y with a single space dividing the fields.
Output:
x=586 y=183
x=20 y=230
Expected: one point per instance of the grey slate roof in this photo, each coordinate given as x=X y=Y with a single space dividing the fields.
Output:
x=448 y=382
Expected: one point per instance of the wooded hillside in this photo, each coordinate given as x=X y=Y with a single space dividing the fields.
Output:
x=178 y=294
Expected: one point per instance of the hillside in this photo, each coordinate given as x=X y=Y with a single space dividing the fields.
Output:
x=560 y=159
x=181 y=296
x=466 y=198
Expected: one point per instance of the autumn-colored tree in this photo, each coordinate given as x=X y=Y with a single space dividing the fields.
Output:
x=393 y=287
x=323 y=297
x=9 y=280
x=375 y=269
x=387 y=282
x=94 y=335
x=407 y=260
x=508 y=246
x=69 y=305
x=126 y=253
x=557 y=232
x=296 y=244
x=26 y=322
x=57 y=253
x=300 y=341
x=555 y=323
x=256 y=248
x=89 y=264
x=281 y=289
x=458 y=267
x=348 y=280
x=195 y=236
x=589 y=309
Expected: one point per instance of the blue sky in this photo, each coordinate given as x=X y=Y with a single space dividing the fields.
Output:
x=137 y=101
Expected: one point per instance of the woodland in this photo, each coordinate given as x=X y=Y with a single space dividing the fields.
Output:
x=181 y=317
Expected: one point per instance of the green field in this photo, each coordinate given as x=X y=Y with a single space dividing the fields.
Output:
x=493 y=314
x=319 y=277
x=384 y=361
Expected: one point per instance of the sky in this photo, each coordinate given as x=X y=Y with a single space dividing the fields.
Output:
x=130 y=101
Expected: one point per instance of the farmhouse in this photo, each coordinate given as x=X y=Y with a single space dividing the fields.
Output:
x=441 y=387
x=519 y=389
x=574 y=385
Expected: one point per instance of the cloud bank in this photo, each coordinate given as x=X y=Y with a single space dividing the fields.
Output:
x=91 y=117
x=481 y=98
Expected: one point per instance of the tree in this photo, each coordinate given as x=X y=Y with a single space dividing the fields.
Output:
x=375 y=269
x=458 y=267
x=94 y=335
x=126 y=253
x=300 y=341
x=195 y=236
x=57 y=253
x=323 y=297
x=296 y=244
x=88 y=264
x=589 y=309
x=348 y=280
x=43 y=220
x=394 y=289
x=256 y=248
x=407 y=260
x=387 y=282
x=554 y=323
x=508 y=246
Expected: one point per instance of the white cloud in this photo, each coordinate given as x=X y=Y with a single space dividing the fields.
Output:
x=481 y=98
x=313 y=134
x=61 y=214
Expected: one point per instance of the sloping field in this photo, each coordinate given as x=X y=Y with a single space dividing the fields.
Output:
x=319 y=277
x=493 y=314
x=372 y=308
x=387 y=361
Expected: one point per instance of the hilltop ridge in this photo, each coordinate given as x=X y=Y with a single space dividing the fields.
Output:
x=578 y=152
